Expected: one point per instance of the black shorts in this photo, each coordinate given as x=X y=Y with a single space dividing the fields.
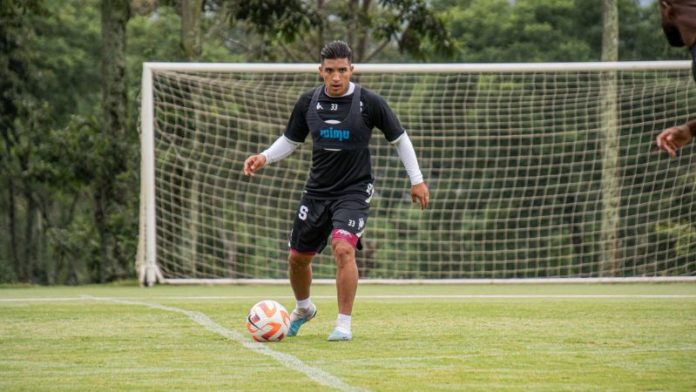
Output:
x=315 y=219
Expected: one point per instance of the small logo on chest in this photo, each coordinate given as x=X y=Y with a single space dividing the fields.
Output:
x=335 y=134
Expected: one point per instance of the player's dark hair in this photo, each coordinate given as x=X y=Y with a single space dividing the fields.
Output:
x=336 y=50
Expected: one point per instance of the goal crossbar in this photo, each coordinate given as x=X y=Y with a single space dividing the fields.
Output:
x=426 y=68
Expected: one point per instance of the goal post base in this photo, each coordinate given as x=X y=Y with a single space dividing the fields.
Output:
x=149 y=275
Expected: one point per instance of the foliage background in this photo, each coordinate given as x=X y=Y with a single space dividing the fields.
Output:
x=69 y=181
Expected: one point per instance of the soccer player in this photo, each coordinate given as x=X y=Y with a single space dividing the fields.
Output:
x=679 y=26
x=340 y=116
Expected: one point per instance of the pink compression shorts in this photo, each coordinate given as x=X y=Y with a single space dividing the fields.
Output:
x=339 y=234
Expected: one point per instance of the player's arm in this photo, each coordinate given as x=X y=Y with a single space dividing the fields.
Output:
x=407 y=154
x=385 y=119
x=295 y=133
x=671 y=139
x=280 y=149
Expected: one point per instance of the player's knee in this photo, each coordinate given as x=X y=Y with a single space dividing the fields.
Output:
x=300 y=259
x=343 y=251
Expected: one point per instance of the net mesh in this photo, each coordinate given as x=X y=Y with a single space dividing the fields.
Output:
x=516 y=163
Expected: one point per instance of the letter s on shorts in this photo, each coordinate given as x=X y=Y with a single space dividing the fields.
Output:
x=303 y=212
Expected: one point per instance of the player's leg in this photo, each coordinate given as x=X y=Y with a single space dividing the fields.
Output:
x=346 y=274
x=308 y=237
x=300 y=273
x=349 y=219
x=346 y=286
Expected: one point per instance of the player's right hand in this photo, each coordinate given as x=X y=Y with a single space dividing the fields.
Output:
x=253 y=164
x=420 y=194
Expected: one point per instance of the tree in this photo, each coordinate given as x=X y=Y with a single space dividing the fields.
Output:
x=114 y=119
x=611 y=189
x=16 y=101
x=191 y=28
x=300 y=28
x=549 y=30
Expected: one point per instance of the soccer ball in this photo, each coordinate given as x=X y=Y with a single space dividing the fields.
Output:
x=268 y=321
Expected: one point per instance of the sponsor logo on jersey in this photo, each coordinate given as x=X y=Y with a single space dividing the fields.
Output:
x=335 y=134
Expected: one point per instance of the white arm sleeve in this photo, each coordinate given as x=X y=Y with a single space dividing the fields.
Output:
x=404 y=148
x=280 y=149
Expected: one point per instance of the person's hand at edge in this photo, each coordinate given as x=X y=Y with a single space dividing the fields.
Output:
x=671 y=139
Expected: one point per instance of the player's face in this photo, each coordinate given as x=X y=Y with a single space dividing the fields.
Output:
x=336 y=74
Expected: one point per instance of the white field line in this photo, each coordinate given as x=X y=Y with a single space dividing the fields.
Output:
x=394 y=296
x=316 y=374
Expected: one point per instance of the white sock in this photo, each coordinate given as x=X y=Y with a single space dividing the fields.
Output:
x=343 y=323
x=304 y=304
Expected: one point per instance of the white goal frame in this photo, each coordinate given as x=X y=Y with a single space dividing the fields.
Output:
x=146 y=258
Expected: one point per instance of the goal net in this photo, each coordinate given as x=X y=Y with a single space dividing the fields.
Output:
x=536 y=171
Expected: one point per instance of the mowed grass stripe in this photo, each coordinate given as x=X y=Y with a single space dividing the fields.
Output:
x=316 y=374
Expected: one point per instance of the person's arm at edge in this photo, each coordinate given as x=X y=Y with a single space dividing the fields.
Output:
x=692 y=127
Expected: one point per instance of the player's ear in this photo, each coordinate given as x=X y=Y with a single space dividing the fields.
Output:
x=665 y=10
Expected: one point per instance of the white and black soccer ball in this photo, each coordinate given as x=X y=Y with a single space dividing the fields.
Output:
x=268 y=321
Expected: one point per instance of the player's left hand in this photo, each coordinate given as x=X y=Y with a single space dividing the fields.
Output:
x=419 y=194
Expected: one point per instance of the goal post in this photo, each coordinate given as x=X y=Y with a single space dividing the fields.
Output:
x=514 y=155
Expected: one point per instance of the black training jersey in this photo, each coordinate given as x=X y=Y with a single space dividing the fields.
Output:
x=341 y=129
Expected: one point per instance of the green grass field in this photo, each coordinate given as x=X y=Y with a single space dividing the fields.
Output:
x=623 y=337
